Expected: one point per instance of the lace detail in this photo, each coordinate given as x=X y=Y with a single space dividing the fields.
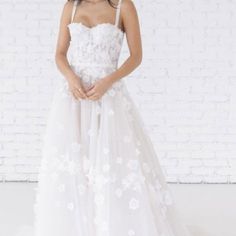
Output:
x=99 y=45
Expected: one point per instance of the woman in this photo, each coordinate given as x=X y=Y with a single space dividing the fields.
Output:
x=99 y=173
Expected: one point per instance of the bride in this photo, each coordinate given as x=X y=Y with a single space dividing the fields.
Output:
x=99 y=174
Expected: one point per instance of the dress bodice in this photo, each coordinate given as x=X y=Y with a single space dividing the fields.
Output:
x=94 y=46
x=95 y=50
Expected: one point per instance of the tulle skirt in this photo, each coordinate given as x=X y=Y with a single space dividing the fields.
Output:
x=99 y=174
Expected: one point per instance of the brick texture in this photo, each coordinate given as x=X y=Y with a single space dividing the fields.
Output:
x=187 y=83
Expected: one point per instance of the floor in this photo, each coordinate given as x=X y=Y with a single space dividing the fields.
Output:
x=208 y=209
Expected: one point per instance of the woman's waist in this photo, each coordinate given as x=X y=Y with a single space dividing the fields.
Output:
x=93 y=65
x=92 y=71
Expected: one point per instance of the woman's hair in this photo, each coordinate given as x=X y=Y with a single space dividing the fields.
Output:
x=109 y=1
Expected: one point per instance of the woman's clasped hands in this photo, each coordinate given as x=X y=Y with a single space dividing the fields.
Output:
x=94 y=92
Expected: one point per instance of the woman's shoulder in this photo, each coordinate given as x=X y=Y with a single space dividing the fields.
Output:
x=127 y=5
x=67 y=8
x=68 y=5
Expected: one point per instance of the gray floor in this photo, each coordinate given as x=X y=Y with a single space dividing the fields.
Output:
x=209 y=210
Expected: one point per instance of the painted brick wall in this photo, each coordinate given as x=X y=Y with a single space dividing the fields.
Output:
x=185 y=87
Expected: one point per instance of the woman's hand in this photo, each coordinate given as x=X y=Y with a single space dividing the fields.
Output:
x=77 y=89
x=97 y=90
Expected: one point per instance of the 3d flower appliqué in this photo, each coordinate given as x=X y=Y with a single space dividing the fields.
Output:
x=111 y=112
x=137 y=151
x=81 y=189
x=70 y=206
x=134 y=204
x=99 y=199
x=61 y=188
x=91 y=132
x=131 y=232
x=133 y=164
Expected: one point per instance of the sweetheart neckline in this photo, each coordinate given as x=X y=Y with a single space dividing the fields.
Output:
x=97 y=25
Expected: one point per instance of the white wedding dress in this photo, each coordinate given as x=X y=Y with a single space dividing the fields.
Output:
x=99 y=174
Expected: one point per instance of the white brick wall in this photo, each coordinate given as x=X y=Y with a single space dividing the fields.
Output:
x=187 y=83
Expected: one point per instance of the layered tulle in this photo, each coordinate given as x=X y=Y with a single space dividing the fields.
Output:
x=99 y=173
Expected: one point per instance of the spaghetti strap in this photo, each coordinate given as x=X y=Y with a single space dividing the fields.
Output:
x=118 y=13
x=73 y=10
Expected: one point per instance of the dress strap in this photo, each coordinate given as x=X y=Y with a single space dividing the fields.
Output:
x=118 y=13
x=73 y=10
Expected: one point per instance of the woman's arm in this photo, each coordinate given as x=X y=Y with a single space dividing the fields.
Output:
x=62 y=46
x=130 y=20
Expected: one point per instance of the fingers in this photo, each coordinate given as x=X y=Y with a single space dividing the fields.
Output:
x=77 y=94
x=93 y=94
x=94 y=97
x=82 y=92
x=89 y=88
x=75 y=97
x=77 y=89
x=90 y=92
